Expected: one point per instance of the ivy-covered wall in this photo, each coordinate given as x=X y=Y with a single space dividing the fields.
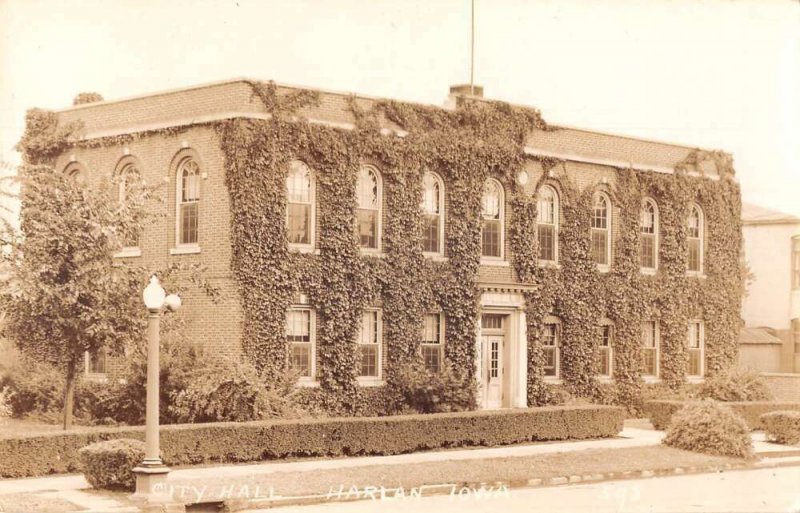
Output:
x=464 y=146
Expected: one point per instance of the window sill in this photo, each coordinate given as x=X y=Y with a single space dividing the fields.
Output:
x=95 y=377
x=552 y=264
x=695 y=379
x=605 y=379
x=307 y=383
x=300 y=248
x=651 y=379
x=603 y=268
x=185 y=250
x=499 y=262
x=648 y=271
x=370 y=382
x=128 y=253
x=551 y=380
x=696 y=274
x=436 y=257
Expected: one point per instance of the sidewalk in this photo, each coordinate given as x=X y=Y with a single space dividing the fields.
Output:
x=636 y=452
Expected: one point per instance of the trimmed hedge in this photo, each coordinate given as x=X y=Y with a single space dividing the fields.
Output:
x=231 y=442
x=110 y=464
x=782 y=427
x=660 y=412
x=710 y=427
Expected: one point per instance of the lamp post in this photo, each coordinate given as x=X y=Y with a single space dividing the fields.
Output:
x=151 y=474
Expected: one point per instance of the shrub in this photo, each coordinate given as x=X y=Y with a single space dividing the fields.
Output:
x=108 y=464
x=34 y=389
x=735 y=384
x=5 y=407
x=661 y=412
x=782 y=427
x=277 y=439
x=710 y=427
x=232 y=390
x=424 y=391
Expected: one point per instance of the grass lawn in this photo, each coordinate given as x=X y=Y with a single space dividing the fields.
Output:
x=30 y=502
x=508 y=469
x=10 y=427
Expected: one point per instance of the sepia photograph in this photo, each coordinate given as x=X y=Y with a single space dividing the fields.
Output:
x=388 y=256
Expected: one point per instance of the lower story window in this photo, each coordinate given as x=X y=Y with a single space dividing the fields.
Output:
x=300 y=336
x=650 y=344
x=432 y=342
x=550 y=346
x=369 y=347
x=605 y=357
x=96 y=361
x=695 y=347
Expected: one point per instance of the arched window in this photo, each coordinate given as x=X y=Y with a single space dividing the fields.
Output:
x=127 y=176
x=300 y=205
x=493 y=213
x=601 y=230
x=368 y=213
x=695 y=240
x=433 y=210
x=76 y=171
x=648 y=235
x=188 y=214
x=547 y=219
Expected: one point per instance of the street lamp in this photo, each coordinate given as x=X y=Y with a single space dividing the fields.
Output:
x=151 y=474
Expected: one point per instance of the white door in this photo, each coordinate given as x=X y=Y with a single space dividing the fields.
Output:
x=493 y=340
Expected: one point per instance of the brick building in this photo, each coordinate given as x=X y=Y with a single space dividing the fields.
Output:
x=171 y=137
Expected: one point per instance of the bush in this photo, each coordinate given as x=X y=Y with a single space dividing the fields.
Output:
x=424 y=391
x=108 y=464
x=34 y=389
x=782 y=427
x=5 y=407
x=232 y=390
x=660 y=412
x=266 y=440
x=735 y=384
x=710 y=427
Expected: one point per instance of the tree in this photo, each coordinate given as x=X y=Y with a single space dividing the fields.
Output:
x=66 y=295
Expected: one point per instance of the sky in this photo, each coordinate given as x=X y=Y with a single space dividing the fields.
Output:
x=716 y=74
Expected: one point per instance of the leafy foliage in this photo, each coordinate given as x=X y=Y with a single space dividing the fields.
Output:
x=736 y=384
x=710 y=427
x=231 y=390
x=424 y=391
x=109 y=464
x=83 y=98
x=782 y=427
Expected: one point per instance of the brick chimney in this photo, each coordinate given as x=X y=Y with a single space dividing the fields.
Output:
x=462 y=91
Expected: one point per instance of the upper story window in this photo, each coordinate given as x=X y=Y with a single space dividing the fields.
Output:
x=605 y=350
x=547 y=219
x=95 y=362
x=128 y=175
x=650 y=349
x=695 y=236
x=300 y=335
x=796 y=262
x=369 y=345
x=695 y=342
x=188 y=189
x=300 y=205
x=368 y=213
x=433 y=342
x=551 y=345
x=492 y=214
x=648 y=236
x=76 y=172
x=433 y=211
x=601 y=231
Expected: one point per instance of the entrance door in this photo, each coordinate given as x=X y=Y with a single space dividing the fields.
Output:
x=493 y=340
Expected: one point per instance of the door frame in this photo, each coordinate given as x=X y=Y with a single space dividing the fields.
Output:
x=515 y=349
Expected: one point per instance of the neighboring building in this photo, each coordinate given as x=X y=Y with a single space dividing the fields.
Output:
x=772 y=252
x=294 y=251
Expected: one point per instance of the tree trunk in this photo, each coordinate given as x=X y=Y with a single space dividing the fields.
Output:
x=69 y=396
